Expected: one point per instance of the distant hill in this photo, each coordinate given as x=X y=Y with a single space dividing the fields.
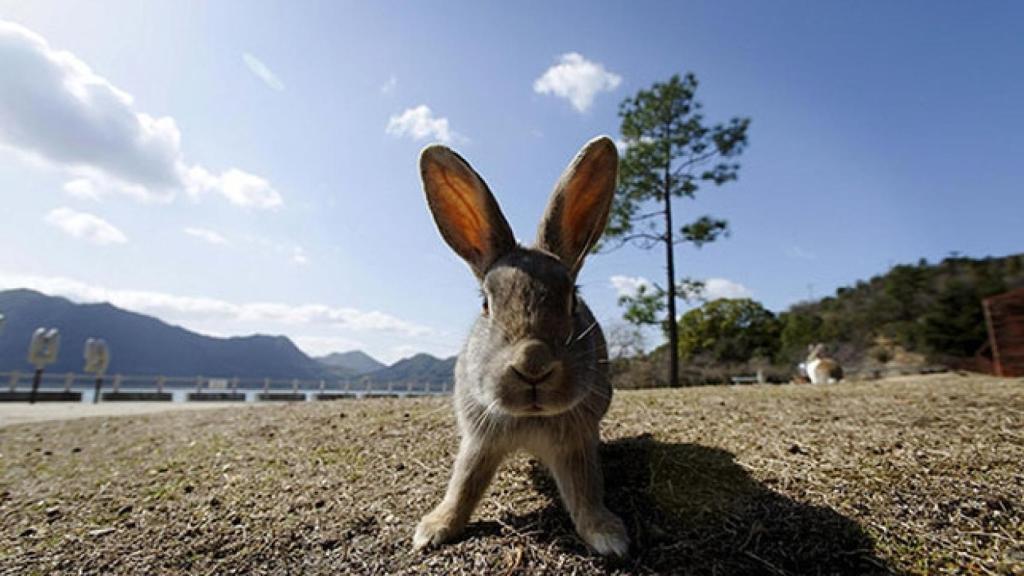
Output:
x=353 y=363
x=421 y=368
x=930 y=309
x=142 y=344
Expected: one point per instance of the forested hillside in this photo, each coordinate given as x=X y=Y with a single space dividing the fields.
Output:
x=932 y=309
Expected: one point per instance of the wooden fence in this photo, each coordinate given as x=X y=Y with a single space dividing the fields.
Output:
x=1004 y=318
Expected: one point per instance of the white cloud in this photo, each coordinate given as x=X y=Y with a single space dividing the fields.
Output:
x=299 y=256
x=627 y=285
x=388 y=88
x=54 y=109
x=420 y=123
x=196 y=309
x=715 y=288
x=261 y=71
x=238 y=187
x=577 y=80
x=206 y=235
x=85 y=226
x=82 y=188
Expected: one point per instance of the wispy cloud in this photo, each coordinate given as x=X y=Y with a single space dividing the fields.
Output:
x=419 y=123
x=799 y=253
x=208 y=236
x=56 y=111
x=388 y=88
x=262 y=71
x=84 y=226
x=193 y=309
x=577 y=80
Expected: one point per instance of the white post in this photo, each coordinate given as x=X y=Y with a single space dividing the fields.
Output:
x=234 y=384
x=69 y=379
x=266 y=385
x=14 y=380
x=199 y=383
x=321 y=386
x=160 y=384
x=295 y=386
x=117 y=383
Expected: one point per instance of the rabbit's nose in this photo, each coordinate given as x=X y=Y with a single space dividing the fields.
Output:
x=533 y=361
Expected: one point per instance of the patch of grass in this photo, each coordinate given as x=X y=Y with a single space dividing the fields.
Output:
x=912 y=475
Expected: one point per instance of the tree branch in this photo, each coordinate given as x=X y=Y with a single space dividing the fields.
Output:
x=694 y=161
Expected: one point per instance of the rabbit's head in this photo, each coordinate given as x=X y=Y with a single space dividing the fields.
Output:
x=527 y=354
x=815 y=351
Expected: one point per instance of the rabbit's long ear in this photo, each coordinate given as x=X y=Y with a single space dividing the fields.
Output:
x=466 y=212
x=578 y=210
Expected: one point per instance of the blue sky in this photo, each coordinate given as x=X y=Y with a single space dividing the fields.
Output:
x=239 y=167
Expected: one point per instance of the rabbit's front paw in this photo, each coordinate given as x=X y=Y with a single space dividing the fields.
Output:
x=435 y=528
x=605 y=533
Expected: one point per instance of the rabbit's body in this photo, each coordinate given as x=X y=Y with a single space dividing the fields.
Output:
x=821 y=370
x=533 y=372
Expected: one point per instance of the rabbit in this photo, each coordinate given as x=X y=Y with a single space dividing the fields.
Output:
x=821 y=370
x=532 y=374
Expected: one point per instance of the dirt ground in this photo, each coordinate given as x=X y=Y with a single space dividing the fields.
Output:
x=918 y=475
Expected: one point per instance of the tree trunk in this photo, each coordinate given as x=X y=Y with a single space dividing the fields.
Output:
x=670 y=268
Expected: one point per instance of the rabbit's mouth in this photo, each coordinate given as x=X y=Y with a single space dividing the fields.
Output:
x=546 y=394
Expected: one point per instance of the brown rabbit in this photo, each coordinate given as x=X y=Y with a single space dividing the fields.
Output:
x=532 y=374
x=821 y=370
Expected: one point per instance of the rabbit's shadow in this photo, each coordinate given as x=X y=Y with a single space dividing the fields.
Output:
x=692 y=509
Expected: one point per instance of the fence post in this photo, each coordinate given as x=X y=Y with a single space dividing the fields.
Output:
x=160 y=384
x=199 y=383
x=117 y=383
x=14 y=379
x=69 y=379
x=266 y=385
x=35 y=385
x=234 y=384
x=321 y=386
x=97 y=388
x=295 y=385
x=348 y=386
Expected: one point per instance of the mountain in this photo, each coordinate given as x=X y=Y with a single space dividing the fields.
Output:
x=354 y=363
x=421 y=368
x=142 y=344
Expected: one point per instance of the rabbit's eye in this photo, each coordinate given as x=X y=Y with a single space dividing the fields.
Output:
x=486 y=306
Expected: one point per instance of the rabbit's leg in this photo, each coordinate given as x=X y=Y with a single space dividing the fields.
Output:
x=474 y=467
x=577 y=472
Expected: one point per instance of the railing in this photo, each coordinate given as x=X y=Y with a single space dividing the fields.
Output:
x=14 y=384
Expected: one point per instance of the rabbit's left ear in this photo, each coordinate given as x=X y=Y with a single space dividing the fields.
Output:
x=578 y=210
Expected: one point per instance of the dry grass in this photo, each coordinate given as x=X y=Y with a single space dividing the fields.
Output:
x=912 y=475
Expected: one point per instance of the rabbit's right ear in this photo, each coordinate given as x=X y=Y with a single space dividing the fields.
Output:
x=466 y=213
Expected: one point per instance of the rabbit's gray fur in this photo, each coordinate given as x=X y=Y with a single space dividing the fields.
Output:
x=533 y=372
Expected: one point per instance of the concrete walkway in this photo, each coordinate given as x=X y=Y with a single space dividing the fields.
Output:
x=19 y=412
